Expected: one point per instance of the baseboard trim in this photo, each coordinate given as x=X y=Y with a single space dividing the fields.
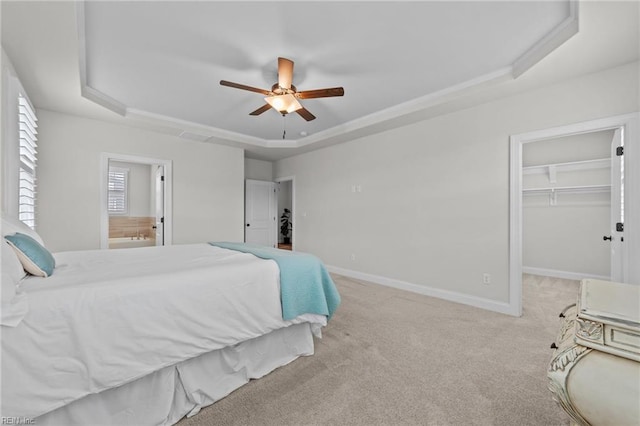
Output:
x=567 y=275
x=451 y=296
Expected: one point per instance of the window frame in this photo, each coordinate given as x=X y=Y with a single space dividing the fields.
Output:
x=11 y=91
x=27 y=159
x=125 y=191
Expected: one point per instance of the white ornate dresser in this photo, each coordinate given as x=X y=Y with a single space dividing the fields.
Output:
x=594 y=373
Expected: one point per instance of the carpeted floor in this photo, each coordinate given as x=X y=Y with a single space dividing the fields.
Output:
x=389 y=357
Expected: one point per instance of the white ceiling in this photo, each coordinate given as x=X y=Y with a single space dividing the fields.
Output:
x=158 y=63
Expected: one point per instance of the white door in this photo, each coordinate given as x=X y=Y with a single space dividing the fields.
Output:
x=615 y=238
x=260 y=213
x=159 y=206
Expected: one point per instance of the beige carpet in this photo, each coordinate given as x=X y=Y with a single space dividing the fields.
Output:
x=390 y=357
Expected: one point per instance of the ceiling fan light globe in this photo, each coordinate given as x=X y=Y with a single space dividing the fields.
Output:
x=284 y=103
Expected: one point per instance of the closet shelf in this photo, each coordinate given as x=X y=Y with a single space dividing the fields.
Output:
x=600 y=163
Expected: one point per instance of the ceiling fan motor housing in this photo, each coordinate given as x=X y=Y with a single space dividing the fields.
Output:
x=277 y=90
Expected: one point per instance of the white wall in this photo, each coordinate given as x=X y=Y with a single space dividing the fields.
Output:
x=208 y=181
x=566 y=238
x=433 y=210
x=258 y=169
x=586 y=146
x=139 y=188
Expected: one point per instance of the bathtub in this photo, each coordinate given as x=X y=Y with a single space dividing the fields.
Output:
x=130 y=242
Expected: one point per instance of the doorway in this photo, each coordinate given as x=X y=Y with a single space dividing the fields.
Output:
x=567 y=199
x=135 y=201
x=286 y=211
x=626 y=127
x=265 y=204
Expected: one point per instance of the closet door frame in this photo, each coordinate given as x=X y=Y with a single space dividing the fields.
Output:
x=629 y=125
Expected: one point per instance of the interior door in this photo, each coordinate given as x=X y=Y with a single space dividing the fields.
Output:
x=260 y=213
x=159 y=206
x=616 y=236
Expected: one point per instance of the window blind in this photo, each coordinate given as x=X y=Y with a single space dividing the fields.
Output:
x=117 y=203
x=28 y=156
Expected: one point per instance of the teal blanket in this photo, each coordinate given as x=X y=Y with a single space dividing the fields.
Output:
x=305 y=285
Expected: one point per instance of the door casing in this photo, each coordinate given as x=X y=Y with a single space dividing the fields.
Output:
x=616 y=243
x=159 y=177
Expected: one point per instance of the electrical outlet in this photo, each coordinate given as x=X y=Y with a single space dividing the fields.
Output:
x=486 y=278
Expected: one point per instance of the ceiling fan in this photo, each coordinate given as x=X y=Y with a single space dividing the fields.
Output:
x=283 y=96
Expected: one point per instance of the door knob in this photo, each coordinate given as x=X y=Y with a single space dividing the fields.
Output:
x=605 y=238
x=248 y=224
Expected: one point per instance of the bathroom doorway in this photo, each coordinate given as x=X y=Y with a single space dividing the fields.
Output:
x=136 y=201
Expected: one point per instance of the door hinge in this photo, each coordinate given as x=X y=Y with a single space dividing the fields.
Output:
x=620 y=151
x=620 y=227
x=162 y=220
x=161 y=178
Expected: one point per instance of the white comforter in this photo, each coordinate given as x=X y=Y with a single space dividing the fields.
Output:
x=107 y=317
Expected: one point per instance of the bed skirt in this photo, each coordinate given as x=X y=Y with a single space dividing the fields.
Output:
x=166 y=396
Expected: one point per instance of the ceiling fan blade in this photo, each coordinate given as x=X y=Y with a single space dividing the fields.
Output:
x=285 y=73
x=243 y=87
x=260 y=110
x=304 y=113
x=321 y=93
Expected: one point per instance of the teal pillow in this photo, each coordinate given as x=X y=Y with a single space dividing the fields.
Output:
x=35 y=259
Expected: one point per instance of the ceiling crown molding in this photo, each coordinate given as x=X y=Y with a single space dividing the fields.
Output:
x=87 y=91
x=563 y=32
x=189 y=126
x=560 y=34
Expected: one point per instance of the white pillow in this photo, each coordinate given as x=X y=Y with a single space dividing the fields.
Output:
x=10 y=226
x=14 y=304
x=11 y=265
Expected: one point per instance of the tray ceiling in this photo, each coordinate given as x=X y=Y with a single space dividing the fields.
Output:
x=162 y=61
x=156 y=65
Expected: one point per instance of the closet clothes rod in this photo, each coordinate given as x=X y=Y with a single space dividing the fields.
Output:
x=552 y=193
x=581 y=189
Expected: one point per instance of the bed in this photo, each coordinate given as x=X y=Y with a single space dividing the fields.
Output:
x=149 y=335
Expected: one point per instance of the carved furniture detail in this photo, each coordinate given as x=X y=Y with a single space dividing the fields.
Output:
x=594 y=373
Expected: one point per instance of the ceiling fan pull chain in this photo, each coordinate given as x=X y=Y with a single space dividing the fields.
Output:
x=284 y=126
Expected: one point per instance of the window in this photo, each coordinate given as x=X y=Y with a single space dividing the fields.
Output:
x=28 y=156
x=118 y=180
